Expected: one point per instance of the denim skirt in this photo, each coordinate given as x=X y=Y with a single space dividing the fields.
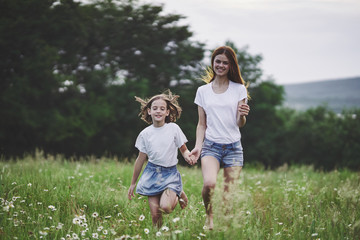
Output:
x=156 y=179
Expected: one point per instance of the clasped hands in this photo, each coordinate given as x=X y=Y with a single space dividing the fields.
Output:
x=192 y=157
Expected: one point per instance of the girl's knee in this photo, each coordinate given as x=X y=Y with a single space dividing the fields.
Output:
x=168 y=201
x=166 y=208
x=209 y=185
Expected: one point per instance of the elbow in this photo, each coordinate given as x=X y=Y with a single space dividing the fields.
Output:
x=201 y=125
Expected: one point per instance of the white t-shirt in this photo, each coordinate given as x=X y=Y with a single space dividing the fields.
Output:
x=221 y=111
x=161 y=143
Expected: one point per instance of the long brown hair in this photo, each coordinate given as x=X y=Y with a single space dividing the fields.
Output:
x=171 y=104
x=234 y=73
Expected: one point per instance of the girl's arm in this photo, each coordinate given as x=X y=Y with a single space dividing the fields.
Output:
x=200 y=133
x=137 y=169
x=186 y=154
x=243 y=111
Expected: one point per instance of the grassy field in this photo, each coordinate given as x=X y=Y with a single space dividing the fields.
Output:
x=53 y=198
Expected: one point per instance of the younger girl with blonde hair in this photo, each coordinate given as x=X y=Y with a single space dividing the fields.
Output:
x=159 y=143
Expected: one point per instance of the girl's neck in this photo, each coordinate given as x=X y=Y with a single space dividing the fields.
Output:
x=220 y=85
x=220 y=81
x=158 y=124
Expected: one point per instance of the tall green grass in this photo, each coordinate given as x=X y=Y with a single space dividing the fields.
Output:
x=54 y=198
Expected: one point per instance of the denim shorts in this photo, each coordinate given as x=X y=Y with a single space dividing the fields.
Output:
x=228 y=155
x=156 y=179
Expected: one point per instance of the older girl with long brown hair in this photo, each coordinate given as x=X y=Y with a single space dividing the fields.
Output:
x=222 y=110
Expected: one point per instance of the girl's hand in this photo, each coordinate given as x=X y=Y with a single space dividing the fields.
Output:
x=243 y=109
x=195 y=153
x=131 y=191
x=188 y=158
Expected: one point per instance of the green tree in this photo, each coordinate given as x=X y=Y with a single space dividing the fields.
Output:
x=321 y=138
x=263 y=134
x=348 y=139
x=70 y=71
x=27 y=83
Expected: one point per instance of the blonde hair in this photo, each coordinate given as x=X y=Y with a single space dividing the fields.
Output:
x=171 y=104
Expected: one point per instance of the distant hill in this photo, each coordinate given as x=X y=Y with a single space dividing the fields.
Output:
x=335 y=94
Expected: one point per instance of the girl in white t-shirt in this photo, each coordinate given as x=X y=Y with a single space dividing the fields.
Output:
x=222 y=109
x=159 y=143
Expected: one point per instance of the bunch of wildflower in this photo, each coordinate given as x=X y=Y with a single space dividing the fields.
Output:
x=7 y=205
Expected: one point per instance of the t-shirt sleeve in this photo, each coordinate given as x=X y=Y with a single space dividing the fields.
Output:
x=180 y=137
x=140 y=143
x=198 y=98
x=243 y=93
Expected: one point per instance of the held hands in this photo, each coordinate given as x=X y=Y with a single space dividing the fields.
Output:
x=195 y=153
x=189 y=158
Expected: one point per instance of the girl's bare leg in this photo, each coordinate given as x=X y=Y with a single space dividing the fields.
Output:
x=168 y=201
x=156 y=214
x=231 y=174
x=210 y=168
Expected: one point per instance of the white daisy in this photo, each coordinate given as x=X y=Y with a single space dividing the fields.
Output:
x=43 y=233
x=52 y=208
x=164 y=228
x=76 y=221
x=141 y=218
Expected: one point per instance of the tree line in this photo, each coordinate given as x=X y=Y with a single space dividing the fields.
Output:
x=69 y=72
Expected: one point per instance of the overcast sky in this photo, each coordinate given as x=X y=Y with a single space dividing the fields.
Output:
x=300 y=40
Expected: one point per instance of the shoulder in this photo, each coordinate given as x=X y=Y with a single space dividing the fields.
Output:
x=237 y=85
x=143 y=136
x=204 y=87
x=172 y=125
x=146 y=130
x=238 y=88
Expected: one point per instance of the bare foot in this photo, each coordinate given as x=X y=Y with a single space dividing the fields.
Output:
x=209 y=222
x=183 y=200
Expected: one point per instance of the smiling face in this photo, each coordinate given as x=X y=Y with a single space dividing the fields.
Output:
x=221 y=65
x=158 y=112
